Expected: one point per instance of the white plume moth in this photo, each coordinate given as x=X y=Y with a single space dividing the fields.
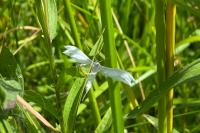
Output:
x=79 y=57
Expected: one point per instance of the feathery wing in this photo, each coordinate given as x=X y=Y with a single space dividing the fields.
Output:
x=119 y=75
x=96 y=67
x=116 y=74
x=90 y=80
x=77 y=55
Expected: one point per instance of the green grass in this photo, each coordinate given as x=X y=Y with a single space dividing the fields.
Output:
x=111 y=61
x=136 y=36
x=161 y=59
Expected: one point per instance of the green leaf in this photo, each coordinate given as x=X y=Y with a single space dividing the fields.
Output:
x=97 y=46
x=11 y=80
x=5 y=126
x=105 y=123
x=71 y=104
x=9 y=68
x=52 y=18
x=30 y=121
x=66 y=28
x=185 y=43
x=154 y=122
x=189 y=73
x=47 y=14
x=11 y=89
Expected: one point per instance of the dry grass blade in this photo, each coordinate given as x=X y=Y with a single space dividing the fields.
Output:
x=27 y=106
x=26 y=40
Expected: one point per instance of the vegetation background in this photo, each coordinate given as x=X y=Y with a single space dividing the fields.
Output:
x=125 y=36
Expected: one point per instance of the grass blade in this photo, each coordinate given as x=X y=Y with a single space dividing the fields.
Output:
x=47 y=14
x=70 y=16
x=105 y=123
x=111 y=61
x=71 y=105
x=27 y=106
x=189 y=73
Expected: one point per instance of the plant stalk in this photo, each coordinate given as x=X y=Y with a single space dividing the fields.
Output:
x=111 y=61
x=70 y=16
x=54 y=77
x=170 y=42
x=42 y=8
x=129 y=54
x=160 y=58
x=92 y=98
x=94 y=106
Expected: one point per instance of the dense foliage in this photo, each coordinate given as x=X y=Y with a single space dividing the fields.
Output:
x=32 y=39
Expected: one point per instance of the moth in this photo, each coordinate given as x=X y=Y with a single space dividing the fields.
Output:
x=83 y=60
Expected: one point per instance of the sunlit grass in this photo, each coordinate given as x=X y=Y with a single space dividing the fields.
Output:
x=135 y=36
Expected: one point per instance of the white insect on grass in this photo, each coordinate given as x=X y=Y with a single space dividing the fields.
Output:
x=79 y=57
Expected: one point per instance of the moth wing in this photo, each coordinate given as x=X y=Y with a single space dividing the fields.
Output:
x=76 y=55
x=119 y=75
x=88 y=86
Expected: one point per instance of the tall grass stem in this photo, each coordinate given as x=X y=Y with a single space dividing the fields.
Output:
x=129 y=53
x=160 y=58
x=170 y=42
x=94 y=106
x=111 y=61
x=92 y=98
x=70 y=16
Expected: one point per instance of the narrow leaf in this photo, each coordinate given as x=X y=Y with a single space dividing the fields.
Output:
x=71 y=105
x=154 y=122
x=27 y=106
x=47 y=15
x=189 y=73
x=52 y=18
x=97 y=46
x=105 y=123
x=5 y=126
